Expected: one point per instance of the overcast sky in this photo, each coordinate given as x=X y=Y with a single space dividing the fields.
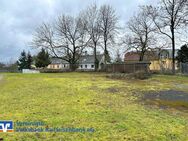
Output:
x=19 y=19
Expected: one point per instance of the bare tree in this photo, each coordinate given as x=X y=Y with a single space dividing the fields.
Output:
x=72 y=31
x=169 y=17
x=44 y=37
x=94 y=29
x=65 y=40
x=184 y=37
x=141 y=33
x=118 y=57
x=109 y=28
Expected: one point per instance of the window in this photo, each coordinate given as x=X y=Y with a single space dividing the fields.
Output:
x=81 y=66
x=64 y=66
x=92 y=66
x=86 y=66
x=58 y=66
x=164 y=54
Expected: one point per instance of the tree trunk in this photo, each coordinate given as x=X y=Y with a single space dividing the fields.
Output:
x=141 y=56
x=95 y=56
x=105 y=54
x=173 y=52
x=73 y=63
x=73 y=66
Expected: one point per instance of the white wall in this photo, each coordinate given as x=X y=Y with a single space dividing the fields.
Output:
x=89 y=67
x=30 y=71
x=58 y=66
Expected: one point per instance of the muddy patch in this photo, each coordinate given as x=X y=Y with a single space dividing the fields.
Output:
x=112 y=90
x=94 y=88
x=167 y=99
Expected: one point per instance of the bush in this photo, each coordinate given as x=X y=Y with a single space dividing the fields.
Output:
x=117 y=76
x=53 y=70
x=137 y=75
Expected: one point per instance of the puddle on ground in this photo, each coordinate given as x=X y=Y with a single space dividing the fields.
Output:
x=167 y=99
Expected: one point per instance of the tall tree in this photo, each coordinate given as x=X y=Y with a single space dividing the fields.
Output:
x=29 y=60
x=141 y=35
x=65 y=40
x=42 y=59
x=183 y=54
x=109 y=27
x=118 y=57
x=94 y=29
x=169 y=17
x=2 y=65
x=22 y=62
x=72 y=31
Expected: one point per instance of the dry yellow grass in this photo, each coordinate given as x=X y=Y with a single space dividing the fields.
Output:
x=94 y=101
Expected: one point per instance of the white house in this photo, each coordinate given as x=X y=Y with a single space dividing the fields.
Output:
x=85 y=63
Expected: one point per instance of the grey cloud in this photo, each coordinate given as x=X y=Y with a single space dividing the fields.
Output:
x=19 y=18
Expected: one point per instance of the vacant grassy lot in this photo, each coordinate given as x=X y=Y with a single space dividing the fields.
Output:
x=111 y=107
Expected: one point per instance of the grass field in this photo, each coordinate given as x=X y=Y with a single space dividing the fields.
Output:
x=110 y=107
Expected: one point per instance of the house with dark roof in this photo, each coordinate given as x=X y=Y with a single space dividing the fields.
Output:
x=85 y=63
x=57 y=63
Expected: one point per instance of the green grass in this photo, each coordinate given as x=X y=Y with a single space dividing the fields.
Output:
x=91 y=100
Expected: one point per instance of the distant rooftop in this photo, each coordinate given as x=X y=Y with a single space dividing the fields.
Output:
x=84 y=59
x=89 y=59
x=149 y=55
